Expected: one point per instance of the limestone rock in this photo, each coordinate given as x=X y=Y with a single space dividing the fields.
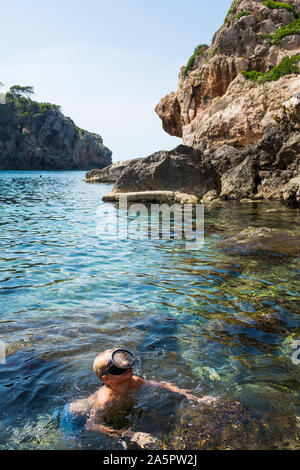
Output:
x=182 y=169
x=215 y=105
x=224 y=158
x=291 y=192
x=109 y=174
x=289 y=151
x=241 y=137
x=170 y=109
x=241 y=116
x=239 y=182
x=210 y=196
x=169 y=197
x=290 y=42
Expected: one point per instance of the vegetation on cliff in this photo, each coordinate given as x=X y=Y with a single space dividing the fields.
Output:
x=286 y=66
x=19 y=111
x=199 y=50
x=288 y=30
x=241 y=14
x=233 y=5
x=280 y=5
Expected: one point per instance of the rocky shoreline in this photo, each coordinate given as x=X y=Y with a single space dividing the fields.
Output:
x=237 y=109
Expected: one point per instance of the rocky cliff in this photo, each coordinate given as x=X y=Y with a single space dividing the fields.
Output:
x=37 y=136
x=237 y=109
x=212 y=106
x=238 y=101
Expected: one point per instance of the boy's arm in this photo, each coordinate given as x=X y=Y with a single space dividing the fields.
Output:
x=173 y=388
x=92 y=424
x=141 y=438
x=82 y=406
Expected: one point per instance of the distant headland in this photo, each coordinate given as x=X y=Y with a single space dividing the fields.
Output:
x=37 y=136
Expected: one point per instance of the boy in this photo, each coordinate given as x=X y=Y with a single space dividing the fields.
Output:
x=114 y=368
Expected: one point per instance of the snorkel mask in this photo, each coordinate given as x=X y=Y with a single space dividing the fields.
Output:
x=120 y=362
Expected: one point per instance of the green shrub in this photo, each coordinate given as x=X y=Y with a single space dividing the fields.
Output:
x=199 y=50
x=241 y=14
x=230 y=11
x=25 y=117
x=288 y=30
x=286 y=66
x=280 y=5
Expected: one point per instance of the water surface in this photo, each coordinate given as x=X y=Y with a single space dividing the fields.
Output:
x=210 y=320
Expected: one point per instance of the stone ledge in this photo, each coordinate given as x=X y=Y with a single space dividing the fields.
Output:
x=169 y=197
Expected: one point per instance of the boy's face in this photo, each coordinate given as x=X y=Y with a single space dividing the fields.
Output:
x=117 y=379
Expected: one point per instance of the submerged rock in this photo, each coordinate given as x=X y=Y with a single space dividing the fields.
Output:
x=264 y=239
x=223 y=426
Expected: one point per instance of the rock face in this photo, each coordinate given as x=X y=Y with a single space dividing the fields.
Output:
x=291 y=192
x=204 y=111
x=247 y=129
x=37 y=136
x=241 y=131
x=110 y=174
x=182 y=169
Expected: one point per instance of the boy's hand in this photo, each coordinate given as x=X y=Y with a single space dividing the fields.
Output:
x=207 y=400
x=143 y=439
x=173 y=388
x=90 y=425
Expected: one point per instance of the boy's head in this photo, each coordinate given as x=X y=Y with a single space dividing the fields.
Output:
x=100 y=365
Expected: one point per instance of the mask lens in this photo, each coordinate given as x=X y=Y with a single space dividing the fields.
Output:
x=123 y=359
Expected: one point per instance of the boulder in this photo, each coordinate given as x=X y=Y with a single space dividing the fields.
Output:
x=290 y=193
x=109 y=174
x=170 y=109
x=224 y=158
x=182 y=169
x=239 y=182
x=210 y=196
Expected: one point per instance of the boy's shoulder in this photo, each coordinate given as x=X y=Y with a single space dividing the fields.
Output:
x=136 y=381
x=103 y=397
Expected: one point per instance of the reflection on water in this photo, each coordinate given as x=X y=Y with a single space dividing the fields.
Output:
x=212 y=321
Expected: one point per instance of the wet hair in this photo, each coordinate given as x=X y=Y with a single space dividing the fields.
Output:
x=101 y=361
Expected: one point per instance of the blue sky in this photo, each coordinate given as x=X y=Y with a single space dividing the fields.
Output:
x=107 y=63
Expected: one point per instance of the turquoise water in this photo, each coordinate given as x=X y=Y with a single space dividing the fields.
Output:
x=209 y=320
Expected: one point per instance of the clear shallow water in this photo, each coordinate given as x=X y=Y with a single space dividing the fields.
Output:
x=213 y=321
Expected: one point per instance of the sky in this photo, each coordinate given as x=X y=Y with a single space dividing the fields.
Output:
x=107 y=63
